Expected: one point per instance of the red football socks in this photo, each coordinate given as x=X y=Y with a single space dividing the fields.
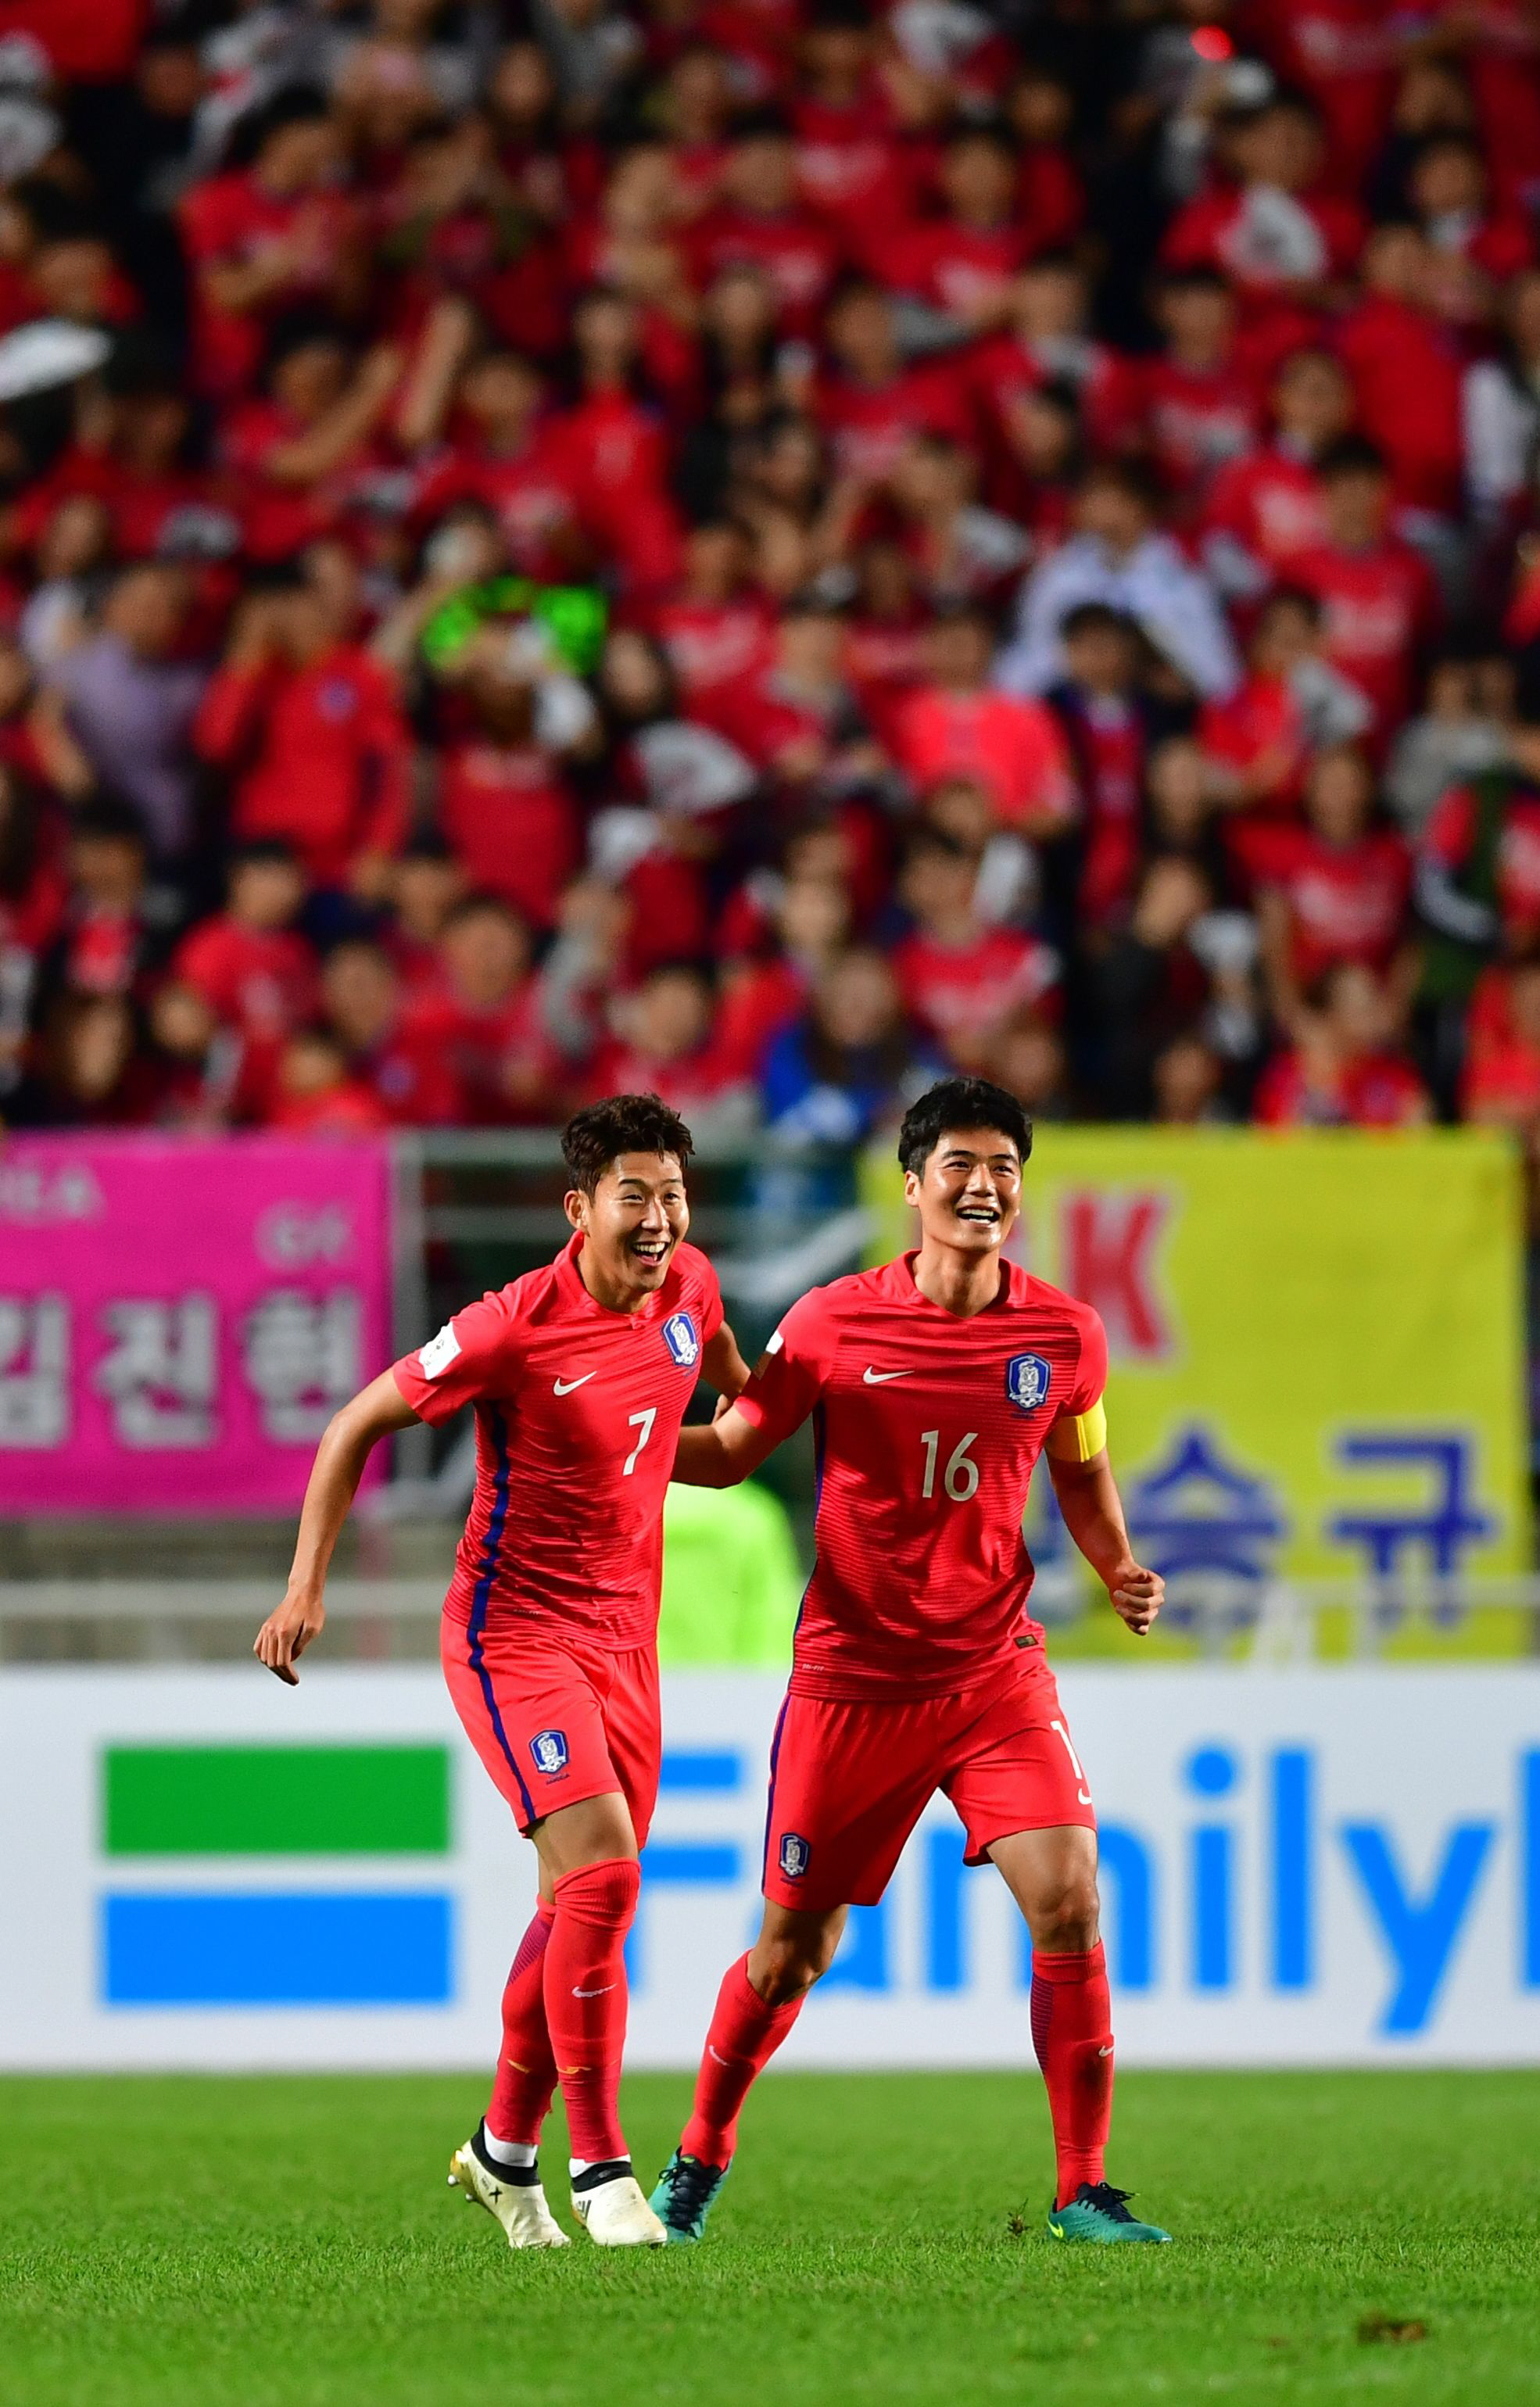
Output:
x=585 y=1989
x=745 y=2034
x=526 y=2068
x=1071 y=2033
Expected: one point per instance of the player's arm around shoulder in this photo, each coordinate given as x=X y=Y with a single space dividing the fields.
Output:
x=1080 y=1468
x=758 y=1408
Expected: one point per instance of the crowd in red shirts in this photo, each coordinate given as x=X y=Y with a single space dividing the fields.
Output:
x=1040 y=498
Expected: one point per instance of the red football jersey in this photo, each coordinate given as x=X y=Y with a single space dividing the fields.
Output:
x=577 y=1413
x=928 y=1427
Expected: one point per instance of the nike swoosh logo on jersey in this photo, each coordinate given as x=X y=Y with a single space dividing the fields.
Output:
x=871 y=1378
x=566 y=1386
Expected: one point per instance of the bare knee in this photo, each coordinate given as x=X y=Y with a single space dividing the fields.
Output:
x=1063 y=1918
x=785 y=1966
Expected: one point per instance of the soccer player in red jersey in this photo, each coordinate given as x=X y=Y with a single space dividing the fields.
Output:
x=579 y=1374
x=936 y=1383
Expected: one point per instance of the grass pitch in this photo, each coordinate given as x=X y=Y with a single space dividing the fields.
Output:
x=291 y=2243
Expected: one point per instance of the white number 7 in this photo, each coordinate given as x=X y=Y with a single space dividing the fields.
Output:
x=644 y=1422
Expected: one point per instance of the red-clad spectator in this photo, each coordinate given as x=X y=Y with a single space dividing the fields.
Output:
x=250 y=962
x=111 y=935
x=1478 y=862
x=1451 y=194
x=403 y=1067
x=1260 y=738
x=307 y=731
x=313 y=1093
x=1280 y=237
x=1346 y=1069
x=1265 y=507
x=514 y=464
x=957 y=725
x=1380 y=605
x=1201 y=410
x=960 y=551
x=1342 y=53
x=1050 y=193
x=962 y=978
x=665 y=1045
x=761 y=222
x=960 y=265
x=1107 y=725
x=422 y=886
x=616 y=450
x=1336 y=889
x=196 y=1064
x=308 y=450
x=504 y=803
x=1045 y=342
x=90 y=1070
x=798 y=718
x=483 y=1019
x=870 y=402
x=1501 y=1083
x=1408 y=371
x=885 y=636
x=762 y=994
x=715 y=630
x=852 y=167
x=265 y=236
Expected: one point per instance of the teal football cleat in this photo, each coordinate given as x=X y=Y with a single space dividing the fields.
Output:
x=685 y=2196
x=1099 y=2213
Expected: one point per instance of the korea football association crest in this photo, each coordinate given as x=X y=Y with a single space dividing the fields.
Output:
x=1027 y=1381
x=681 y=1341
x=549 y=1750
x=794 y=1854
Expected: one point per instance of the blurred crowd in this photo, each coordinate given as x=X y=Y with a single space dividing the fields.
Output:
x=760 y=549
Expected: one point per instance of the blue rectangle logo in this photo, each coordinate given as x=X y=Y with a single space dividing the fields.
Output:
x=261 y=1948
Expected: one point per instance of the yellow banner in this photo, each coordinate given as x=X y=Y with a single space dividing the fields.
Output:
x=1315 y=1339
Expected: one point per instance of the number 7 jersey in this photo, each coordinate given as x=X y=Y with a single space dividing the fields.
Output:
x=926 y=1427
x=577 y=1413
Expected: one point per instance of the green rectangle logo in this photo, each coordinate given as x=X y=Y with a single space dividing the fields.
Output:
x=275 y=1801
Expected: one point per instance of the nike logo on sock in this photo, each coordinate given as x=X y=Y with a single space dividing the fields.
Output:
x=594 y=1993
x=879 y=1378
x=1103 y=2051
x=566 y=1386
x=713 y=2054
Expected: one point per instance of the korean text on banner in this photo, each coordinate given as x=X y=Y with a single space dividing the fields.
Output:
x=1316 y=1341
x=179 y=1319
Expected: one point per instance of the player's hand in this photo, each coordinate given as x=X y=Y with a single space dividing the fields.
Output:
x=1137 y=1596
x=285 y=1636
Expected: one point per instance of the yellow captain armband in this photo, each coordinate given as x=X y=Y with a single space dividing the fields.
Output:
x=1076 y=1437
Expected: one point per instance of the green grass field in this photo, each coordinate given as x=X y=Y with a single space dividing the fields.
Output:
x=291 y=2243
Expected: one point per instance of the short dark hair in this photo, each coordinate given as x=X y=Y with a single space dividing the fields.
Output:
x=600 y=1133
x=960 y=1103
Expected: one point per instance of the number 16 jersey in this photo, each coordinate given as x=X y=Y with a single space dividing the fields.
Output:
x=926 y=1427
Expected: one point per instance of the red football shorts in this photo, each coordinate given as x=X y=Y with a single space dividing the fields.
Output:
x=849 y=1782
x=553 y=1723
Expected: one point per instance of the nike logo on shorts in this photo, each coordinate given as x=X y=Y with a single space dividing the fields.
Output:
x=1084 y=1795
x=566 y=1386
x=594 y=1993
x=879 y=1378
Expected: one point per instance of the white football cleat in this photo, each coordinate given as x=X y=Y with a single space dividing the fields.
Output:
x=616 y=2214
x=520 y=2207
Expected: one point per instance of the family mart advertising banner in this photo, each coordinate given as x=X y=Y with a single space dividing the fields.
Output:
x=1316 y=1342
x=179 y=1319
x=1327 y=1866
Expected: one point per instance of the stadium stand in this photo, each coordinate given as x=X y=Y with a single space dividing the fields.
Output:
x=757 y=549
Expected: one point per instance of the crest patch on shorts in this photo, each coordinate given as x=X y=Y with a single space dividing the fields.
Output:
x=549 y=1750
x=795 y=1855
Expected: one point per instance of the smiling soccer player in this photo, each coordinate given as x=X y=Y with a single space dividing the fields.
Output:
x=936 y=1383
x=579 y=1374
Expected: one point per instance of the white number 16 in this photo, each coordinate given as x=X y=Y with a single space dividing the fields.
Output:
x=961 y=1477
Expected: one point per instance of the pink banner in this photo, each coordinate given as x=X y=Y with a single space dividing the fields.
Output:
x=178 y=1321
